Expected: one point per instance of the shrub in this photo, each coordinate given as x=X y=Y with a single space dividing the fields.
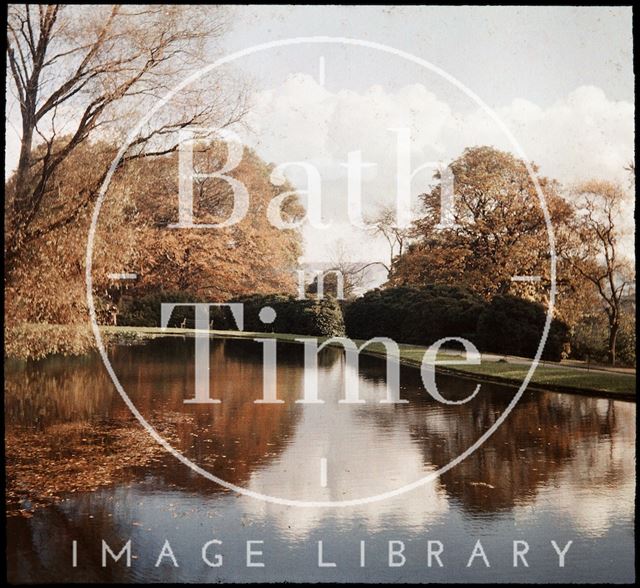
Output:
x=26 y=341
x=589 y=339
x=145 y=311
x=302 y=317
x=626 y=341
x=514 y=326
x=419 y=316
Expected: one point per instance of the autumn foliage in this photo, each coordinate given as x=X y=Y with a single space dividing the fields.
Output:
x=48 y=286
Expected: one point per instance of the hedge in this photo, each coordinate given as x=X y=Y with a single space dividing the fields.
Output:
x=418 y=316
x=513 y=326
x=145 y=310
x=303 y=317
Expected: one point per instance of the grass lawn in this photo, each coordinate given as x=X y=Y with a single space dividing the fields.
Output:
x=552 y=377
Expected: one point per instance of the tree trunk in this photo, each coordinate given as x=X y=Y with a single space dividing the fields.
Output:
x=613 y=334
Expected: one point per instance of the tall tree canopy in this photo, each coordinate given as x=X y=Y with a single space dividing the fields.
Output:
x=597 y=255
x=79 y=73
x=80 y=77
x=133 y=236
x=251 y=256
x=498 y=230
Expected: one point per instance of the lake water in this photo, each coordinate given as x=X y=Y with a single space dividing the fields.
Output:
x=560 y=468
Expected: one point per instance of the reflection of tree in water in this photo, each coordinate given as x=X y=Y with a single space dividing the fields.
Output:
x=537 y=442
x=65 y=411
x=69 y=408
x=57 y=389
x=289 y=354
x=59 y=434
x=37 y=561
x=230 y=439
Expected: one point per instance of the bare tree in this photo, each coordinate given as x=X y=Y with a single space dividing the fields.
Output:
x=383 y=223
x=341 y=275
x=597 y=253
x=84 y=72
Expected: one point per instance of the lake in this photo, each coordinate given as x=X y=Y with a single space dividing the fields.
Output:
x=560 y=468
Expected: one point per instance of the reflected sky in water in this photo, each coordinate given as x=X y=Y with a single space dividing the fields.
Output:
x=560 y=467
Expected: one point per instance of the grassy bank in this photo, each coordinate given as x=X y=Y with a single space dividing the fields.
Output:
x=555 y=377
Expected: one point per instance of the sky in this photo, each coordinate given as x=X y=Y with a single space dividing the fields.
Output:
x=560 y=78
x=503 y=53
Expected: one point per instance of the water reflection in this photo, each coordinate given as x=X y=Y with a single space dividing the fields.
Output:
x=559 y=466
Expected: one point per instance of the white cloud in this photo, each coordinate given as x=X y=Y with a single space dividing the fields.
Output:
x=582 y=135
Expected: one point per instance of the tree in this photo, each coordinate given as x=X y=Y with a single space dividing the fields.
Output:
x=251 y=256
x=383 y=223
x=90 y=70
x=132 y=235
x=597 y=254
x=631 y=168
x=498 y=231
x=341 y=269
x=80 y=76
x=48 y=286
